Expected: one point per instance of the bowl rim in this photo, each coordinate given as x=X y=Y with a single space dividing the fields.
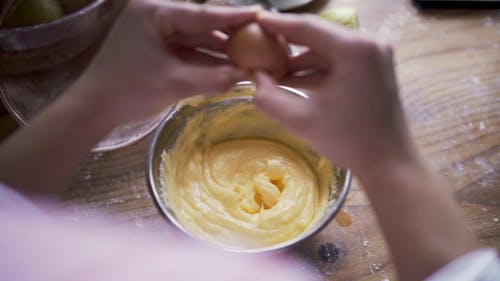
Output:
x=164 y=211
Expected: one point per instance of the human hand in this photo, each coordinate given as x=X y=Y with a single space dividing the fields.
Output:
x=149 y=59
x=353 y=116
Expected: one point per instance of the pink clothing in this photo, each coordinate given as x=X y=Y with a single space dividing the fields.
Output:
x=34 y=246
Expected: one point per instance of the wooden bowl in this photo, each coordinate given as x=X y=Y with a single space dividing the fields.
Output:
x=42 y=46
x=37 y=63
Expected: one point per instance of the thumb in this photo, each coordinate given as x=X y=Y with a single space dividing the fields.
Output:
x=212 y=79
x=267 y=94
x=289 y=109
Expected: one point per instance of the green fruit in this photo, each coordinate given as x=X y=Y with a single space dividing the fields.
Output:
x=346 y=16
x=33 y=12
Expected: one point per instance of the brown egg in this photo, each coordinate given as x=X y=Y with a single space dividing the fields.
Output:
x=251 y=48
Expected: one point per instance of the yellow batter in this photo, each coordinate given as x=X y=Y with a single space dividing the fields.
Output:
x=243 y=190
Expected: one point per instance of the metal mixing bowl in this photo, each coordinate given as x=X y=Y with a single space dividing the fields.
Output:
x=172 y=126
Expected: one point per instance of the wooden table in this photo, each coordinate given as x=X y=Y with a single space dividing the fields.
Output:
x=448 y=64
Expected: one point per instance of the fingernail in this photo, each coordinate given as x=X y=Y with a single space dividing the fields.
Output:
x=262 y=83
x=263 y=78
x=263 y=14
x=256 y=7
x=257 y=78
x=253 y=8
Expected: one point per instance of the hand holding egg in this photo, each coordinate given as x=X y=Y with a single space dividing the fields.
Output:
x=252 y=48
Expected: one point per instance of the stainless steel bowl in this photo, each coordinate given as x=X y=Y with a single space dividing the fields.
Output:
x=173 y=124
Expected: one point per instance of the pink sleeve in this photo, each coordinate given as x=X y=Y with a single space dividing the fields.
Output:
x=479 y=265
x=11 y=199
x=34 y=247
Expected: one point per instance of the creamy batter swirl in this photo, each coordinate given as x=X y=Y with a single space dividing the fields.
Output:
x=243 y=192
x=250 y=192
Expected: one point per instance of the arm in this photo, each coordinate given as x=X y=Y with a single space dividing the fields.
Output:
x=40 y=158
x=147 y=62
x=355 y=118
x=421 y=222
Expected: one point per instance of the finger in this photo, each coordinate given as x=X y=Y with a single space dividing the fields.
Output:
x=191 y=18
x=201 y=57
x=307 y=60
x=307 y=30
x=292 y=111
x=307 y=82
x=212 y=40
x=205 y=80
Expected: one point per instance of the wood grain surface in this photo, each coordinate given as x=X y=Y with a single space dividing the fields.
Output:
x=448 y=65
